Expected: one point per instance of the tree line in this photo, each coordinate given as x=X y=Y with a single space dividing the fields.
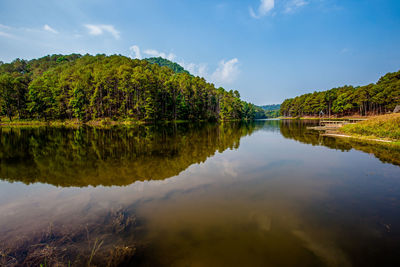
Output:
x=373 y=99
x=117 y=87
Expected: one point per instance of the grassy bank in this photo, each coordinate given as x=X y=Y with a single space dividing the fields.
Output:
x=385 y=126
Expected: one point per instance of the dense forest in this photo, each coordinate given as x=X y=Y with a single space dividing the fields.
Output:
x=167 y=63
x=372 y=99
x=89 y=87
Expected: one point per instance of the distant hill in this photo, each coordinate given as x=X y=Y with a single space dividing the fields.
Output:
x=165 y=62
x=271 y=111
x=271 y=107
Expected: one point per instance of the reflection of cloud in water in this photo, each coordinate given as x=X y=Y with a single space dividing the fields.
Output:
x=257 y=194
x=228 y=168
x=284 y=162
x=328 y=252
x=262 y=221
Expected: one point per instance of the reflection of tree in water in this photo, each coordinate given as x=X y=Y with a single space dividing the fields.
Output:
x=297 y=130
x=116 y=156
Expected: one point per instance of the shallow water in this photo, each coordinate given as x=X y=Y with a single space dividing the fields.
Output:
x=268 y=193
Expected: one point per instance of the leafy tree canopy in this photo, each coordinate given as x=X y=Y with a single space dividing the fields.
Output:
x=167 y=63
x=117 y=87
x=372 y=99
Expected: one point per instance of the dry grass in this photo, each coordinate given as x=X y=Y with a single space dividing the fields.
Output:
x=385 y=126
x=95 y=244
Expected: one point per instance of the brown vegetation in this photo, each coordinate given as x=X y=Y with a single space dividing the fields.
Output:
x=85 y=245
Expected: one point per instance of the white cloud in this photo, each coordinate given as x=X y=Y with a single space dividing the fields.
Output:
x=226 y=71
x=202 y=70
x=136 y=50
x=49 y=29
x=190 y=67
x=5 y=27
x=99 y=29
x=195 y=69
x=7 y=35
x=265 y=7
x=155 y=53
x=292 y=5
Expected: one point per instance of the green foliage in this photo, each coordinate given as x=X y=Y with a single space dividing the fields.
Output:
x=372 y=99
x=267 y=111
x=89 y=87
x=8 y=97
x=272 y=111
x=167 y=63
x=271 y=107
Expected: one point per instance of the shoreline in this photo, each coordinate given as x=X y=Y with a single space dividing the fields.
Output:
x=335 y=132
x=365 y=138
x=384 y=129
x=106 y=122
x=328 y=118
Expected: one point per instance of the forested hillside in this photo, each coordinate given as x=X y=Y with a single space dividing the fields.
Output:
x=271 y=111
x=167 y=63
x=271 y=107
x=371 y=99
x=117 y=87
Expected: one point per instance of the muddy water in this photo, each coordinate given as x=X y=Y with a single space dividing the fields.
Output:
x=268 y=193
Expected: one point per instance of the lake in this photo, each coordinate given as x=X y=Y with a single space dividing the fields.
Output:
x=265 y=193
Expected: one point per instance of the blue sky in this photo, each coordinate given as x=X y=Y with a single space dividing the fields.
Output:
x=269 y=50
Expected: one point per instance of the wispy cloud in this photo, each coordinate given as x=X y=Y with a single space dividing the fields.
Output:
x=226 y=72
x=49 y=29
x=155 y=53
x=5 y=30
x=136 y=52
x=200 y=69
x=99 y=29
x=265 y=7
x=193 y=68
x=5 y=27
x=7 y=35
x=344 y=50
x=292 y=5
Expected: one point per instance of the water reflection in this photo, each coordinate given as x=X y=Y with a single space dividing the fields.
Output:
x=298 y=131
x=268 y=193
x=120 y=156
x=116 y=156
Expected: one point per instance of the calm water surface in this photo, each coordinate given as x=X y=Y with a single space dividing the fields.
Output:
x=268 y=193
